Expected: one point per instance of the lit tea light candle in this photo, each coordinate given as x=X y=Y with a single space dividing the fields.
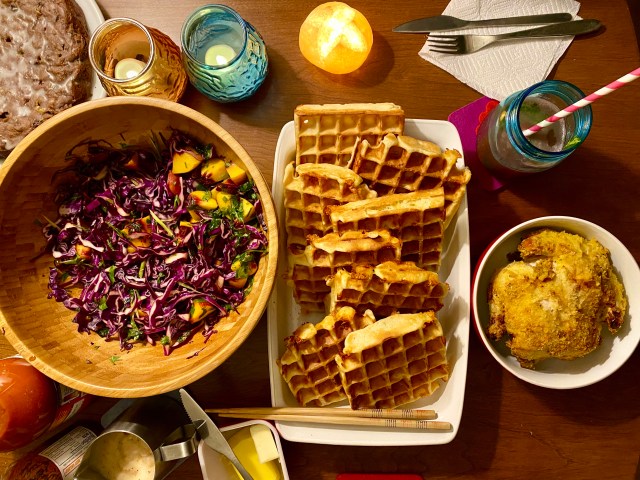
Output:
x=336 y=38
x=218 y=55
x=128 y=68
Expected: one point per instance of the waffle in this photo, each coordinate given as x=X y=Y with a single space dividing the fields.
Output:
x=387 y=288
x=455 y=185
x=415 y=218
x=308 y=363
x=400 y=164
x=310 y=192
x=394 y=361
x=325 y=255
x=329 y=133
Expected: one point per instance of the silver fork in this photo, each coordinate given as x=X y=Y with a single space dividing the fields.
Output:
x=461 y=44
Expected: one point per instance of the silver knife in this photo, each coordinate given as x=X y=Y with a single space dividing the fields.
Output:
x=445 y=22
x=209 y=432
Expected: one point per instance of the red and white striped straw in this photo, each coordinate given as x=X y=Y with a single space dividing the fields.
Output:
x=622 y=81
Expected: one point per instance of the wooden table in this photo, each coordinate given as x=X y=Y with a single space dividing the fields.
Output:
x=509 y=429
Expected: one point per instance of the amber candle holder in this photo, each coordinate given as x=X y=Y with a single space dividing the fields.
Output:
x=132 y=59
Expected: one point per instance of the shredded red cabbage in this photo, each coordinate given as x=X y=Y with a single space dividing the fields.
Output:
x=136 y=258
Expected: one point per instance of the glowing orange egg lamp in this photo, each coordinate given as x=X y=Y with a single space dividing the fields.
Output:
x=336 y=38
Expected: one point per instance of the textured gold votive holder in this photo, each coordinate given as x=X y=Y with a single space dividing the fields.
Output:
x=162 y=74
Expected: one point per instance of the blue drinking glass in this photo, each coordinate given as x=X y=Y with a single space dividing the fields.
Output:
x=224 y=56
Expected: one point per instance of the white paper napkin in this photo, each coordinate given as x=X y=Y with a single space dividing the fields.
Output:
x=501 y=69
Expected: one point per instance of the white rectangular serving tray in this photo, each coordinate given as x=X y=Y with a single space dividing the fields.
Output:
x=284 y=317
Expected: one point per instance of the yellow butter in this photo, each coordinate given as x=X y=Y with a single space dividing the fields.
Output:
x=244 y=447
x=265 y=444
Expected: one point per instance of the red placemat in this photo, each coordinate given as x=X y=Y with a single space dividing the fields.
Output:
x=467 y=120
x=378 y=476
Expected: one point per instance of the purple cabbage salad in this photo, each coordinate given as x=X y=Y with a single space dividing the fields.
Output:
x=153 y=244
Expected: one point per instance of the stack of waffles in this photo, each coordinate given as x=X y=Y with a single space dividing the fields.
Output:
x=400 y=164
x=394 y=361
x=328 y=255
x=372 y=364
x=308 y=364
x=365 y=212
x=387 y=288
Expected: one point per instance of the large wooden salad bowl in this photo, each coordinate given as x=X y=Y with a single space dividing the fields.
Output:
x=41 y=329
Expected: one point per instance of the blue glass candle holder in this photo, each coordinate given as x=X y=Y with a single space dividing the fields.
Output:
x=224 y=56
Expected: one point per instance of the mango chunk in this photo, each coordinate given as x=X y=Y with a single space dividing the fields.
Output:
x=214 y=169
x=204 y=199
x=142 y=241
x=247 y=209
x=237 y=282
x=244 y=266
x=199 y=310
x=83 y=252
x=133 y=163
x=195 y=216
x=225 y=201
x=184 y=162
x=236 y=174
x=146 y=223
x=244 y=270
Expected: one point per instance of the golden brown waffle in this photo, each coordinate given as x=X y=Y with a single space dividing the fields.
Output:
x=415 y=218
x=308 y=363
x=455 y=185
x=400 y=164
x=394 y=361
x=328 y=133
x=387 y=288
x=310 y=192
x=325 y=255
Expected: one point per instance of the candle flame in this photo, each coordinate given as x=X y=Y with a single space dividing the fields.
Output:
x=336 y=38
x=340 y=28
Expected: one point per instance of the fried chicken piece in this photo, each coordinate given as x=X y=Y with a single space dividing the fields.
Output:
x=554 y=301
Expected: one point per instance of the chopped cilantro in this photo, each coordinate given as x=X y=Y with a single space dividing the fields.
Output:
x=242 y=263
x=111 y=272
x=216 y=220
x=246 y=187
x=134 y=332
x=114 y=359
x=102 y=304
x=249 y=286
x=135 y=227
x=103 y=332
x=240 y=234
x=206 y=151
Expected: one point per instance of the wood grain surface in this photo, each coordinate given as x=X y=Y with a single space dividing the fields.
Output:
x=509 y=429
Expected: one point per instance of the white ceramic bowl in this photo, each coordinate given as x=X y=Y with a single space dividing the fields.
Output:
x=554 y=373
